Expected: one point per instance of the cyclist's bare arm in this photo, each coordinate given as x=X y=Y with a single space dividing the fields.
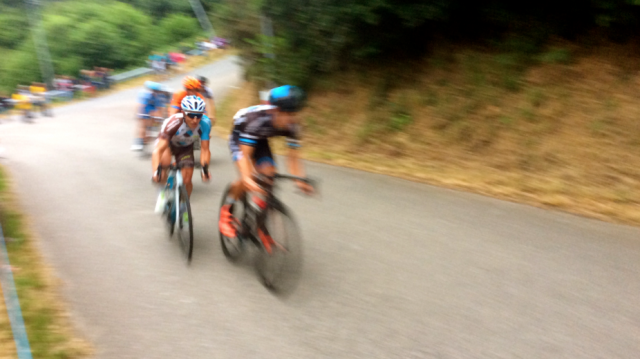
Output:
x=245 y=165
x=296 y=168
x=205 y=153
x=211 y=111
x=293 y=162
x=205 y=157
x=162 y=146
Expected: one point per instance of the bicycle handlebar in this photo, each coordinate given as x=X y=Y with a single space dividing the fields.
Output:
x=295 y=178
x=205 y=169
x=266 y=179
x=147 y=117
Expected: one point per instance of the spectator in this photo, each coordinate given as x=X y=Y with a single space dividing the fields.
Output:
x=22 y=102
x=65 y=85
x=38 y=92
x=5 y=104
x=106 y=77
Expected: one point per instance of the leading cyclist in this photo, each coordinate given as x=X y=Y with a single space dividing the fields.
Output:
x=249 y=144
x=176 y=138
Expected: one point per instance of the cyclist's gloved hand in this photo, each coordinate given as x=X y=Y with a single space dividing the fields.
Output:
x=157 y=175
x=206 y=176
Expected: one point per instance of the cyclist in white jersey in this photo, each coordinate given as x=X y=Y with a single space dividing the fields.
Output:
x=176 y=138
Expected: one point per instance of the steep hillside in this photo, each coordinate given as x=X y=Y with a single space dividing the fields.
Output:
x=564 y=132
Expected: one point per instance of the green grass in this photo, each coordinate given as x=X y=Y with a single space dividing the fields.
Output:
x=41 y=315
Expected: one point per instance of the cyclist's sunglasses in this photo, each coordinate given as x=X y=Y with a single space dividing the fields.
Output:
x=194 y=115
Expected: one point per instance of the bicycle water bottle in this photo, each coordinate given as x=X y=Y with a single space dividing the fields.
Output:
x=257 y=203
x=170 y=180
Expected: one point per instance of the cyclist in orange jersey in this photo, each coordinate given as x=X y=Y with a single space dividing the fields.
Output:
x=192 y=87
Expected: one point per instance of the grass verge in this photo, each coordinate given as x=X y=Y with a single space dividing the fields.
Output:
x=559 y=134
x=48 y=327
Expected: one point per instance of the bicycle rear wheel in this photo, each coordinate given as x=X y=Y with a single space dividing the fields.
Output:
x=149 y=141
x=280 y=267
x=232 y=247
x=185 y=223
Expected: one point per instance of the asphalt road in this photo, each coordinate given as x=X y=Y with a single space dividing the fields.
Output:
x=393 y=269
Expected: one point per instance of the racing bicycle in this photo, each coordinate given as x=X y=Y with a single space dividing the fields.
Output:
x=267 y=224
x=151 y=134
x=177 y=210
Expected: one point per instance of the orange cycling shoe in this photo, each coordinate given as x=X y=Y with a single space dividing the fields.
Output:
x=227 y=223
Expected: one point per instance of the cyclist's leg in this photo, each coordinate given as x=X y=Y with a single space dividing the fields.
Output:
x=144 y=122
x=187 y=176
x=141 y=132
x=227 y=223
x=184 y=159
x=263 y=160
x=264 y=164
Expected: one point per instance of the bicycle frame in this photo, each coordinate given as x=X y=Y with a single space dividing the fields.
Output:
x=177 y=174
x=249 y=230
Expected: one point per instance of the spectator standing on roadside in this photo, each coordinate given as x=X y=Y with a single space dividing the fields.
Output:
x=38 y=97
x=66 y=86
x=5 y=104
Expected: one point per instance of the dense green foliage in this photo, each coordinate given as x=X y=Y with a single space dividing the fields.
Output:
x=161 y=8
x=319 y=36
x=12 y=28
x=86 y=33
x=178 y=27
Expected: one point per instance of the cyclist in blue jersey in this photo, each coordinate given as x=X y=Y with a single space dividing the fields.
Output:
x=152 y=102
x=249 y=144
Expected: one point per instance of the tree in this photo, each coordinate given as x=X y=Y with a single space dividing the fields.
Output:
x=177 y=27
x=14 y=27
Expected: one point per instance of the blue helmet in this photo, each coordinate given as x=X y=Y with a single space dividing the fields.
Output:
x=193 y=104
x=287 y=98
x=153 y=86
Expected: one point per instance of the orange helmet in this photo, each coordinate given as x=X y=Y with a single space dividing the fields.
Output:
x=191 y=83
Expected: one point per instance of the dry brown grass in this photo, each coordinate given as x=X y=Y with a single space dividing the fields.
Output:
x=569 y=138
x=7 y=344
x=48 y=325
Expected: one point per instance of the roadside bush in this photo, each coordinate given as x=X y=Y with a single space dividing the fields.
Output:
x=13 y=28
x=21 y=67
x=177 y=27
x=80 y=34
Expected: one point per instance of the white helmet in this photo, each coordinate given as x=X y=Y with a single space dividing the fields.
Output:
x=193 y=104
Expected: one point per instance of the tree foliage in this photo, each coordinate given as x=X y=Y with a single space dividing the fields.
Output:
x=177 y=27
x=13 y=28
x=318 y=36
x=86 y=33
x=159 y=9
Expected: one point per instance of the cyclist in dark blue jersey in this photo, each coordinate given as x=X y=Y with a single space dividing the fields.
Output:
x=250 y=150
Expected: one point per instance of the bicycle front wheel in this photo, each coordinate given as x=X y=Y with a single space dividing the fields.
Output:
x=279 y=265
x=185 y=223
